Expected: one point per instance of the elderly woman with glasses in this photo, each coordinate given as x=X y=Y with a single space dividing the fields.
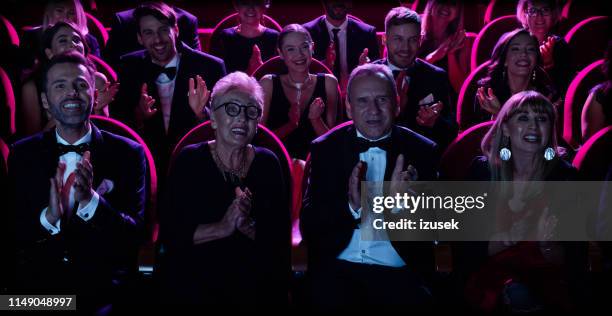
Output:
x=226 y=225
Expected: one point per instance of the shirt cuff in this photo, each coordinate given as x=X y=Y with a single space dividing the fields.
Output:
x=53 y=230
x=356 y=213
x=87 y=212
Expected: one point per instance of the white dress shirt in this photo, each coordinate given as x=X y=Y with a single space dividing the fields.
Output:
x=377 y=251
x=165 y=90
x=342 y=46
x=85 y=212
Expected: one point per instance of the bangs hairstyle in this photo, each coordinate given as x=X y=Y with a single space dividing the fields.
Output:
x=237 y=80
x=292 y=28
x=158 y=10
x=79 y=12
x=48 y=34
x=372 y=70
x=522 y=101
x=521 y=10
x=400 y=16
x=453 y=27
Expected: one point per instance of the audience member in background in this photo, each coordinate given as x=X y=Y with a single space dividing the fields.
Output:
x=525 y=269
x=229 y=236
x=516 y=65
x=342 y=42
x=540 y=18
x=424 y=90
x=60 y=38
x=55 y=11
x=597 y=111
x=122 y=37
x=249 y=44
x=444 y=42
x=347 y=272
x=77 y=198
x=163 y=90
x=299 y=106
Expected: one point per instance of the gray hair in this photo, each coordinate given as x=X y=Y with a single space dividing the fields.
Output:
x=372 y=70
x=237 y=80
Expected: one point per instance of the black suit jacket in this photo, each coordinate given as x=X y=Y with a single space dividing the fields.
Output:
x=359 y=35
x=138 y=69
x=426 y=79
x=85 y=256
x=122 y=38
x=326 y=221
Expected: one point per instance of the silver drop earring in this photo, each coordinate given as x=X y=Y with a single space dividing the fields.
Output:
x=504 y=152
x=549 y=153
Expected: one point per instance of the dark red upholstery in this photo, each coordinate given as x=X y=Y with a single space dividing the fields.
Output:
x=497 y=8
x=7 y=105
x=232 y=20
x=119 y=128
x=488 y=37
x=465 y=103
x=588 y=40
x=594 y=157
x=576 y=96
x=456 y=160
x=4 y=152
x=276 y=65
x=8 y=34
x=97 y=29
x=104 y=68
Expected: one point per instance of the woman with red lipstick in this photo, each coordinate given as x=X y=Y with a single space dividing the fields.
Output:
x=444 y=43
x=299 y=106
x=516 y=65
x=540 y=18
x=525 y=268
x=246 y=46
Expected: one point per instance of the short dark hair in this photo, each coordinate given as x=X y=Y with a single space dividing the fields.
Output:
x=158 y=10
x=68 y=57
x=262 y=3
x=400 y=16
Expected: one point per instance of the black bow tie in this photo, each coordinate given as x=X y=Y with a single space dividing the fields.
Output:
x=169 y=71
x=363 y=144
x=79 y=149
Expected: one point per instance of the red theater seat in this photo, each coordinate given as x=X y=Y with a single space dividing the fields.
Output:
x=456 y=160
x=577 y=93
x=594 y=157
x=8 y=34
x=497 y=8
x=488 y=37
x=7 y=105
x=465 y=103
x=103 y=67
x=588 y=40
x=97 y=30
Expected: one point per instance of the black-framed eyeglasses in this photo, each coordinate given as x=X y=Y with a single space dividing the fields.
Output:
x=533 y=12
x=233 y=109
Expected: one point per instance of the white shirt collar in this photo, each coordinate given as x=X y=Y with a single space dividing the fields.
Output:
x=85 y=139
x=174 y=62
x=342 y=26
x=373 y=140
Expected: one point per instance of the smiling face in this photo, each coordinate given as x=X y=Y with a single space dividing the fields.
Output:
x=529 y=131
x=234 y=131
x=62 y=12
x=158 y=38
x=445 y=12
x=522 y=55
x=540 y=18
x=296 y=51
x=65 y=39
x=372 y=105
x=250 y=13
x=403 y=43
x=69 y=94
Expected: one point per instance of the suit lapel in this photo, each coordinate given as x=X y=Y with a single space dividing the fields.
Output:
x=49 y=153
x=351 y=42
x=323 y=38
x=351 y=156
x=98 y=152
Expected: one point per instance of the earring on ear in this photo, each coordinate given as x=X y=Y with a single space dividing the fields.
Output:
x=549 y=153
x=504 y=152
x=213 y=125
x=533 y=76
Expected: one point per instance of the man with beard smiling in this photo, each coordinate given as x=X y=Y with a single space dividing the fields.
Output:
x=425 y=104
x=77 y=197
x=342 y=42
x=163 y=89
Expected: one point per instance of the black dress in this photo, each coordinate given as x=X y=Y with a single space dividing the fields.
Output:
x=298 y=142
x=604 y=97
x=233 y=270
x=236 y=50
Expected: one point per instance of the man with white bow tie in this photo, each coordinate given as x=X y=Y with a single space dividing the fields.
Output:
x=77 y=196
